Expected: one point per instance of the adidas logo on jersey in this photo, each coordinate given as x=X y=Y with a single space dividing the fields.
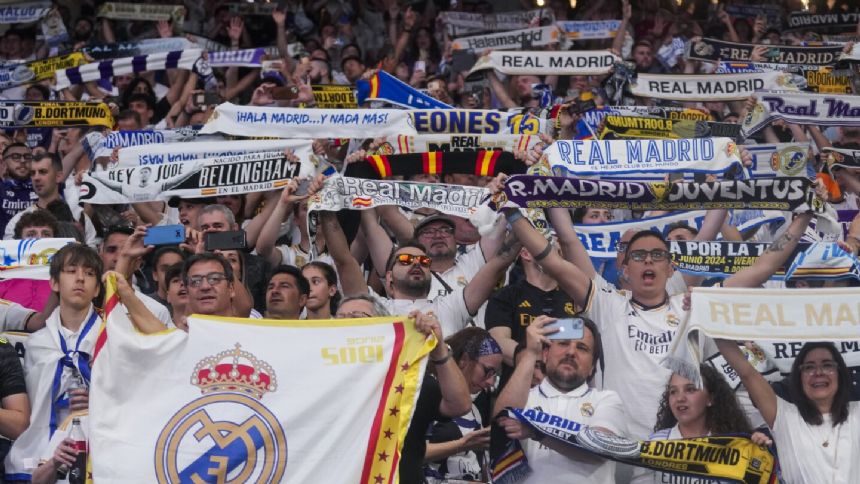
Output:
x=525 y=304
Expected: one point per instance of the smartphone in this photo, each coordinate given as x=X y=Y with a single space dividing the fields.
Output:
x=165 y=235
x=206 y=99
x=568 y=328
x=676 y=176
x=419 y=66
x=284 y=93
x=303 y=187
x=234 y=239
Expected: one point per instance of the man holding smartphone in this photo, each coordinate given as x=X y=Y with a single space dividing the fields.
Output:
x=569 y=348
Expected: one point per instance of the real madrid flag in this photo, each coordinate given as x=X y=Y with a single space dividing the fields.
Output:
x=244 y=400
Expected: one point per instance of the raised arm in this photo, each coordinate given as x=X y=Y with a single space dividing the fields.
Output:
x=571 y=246
x=570 y=278
x=456 y=400
x=516 y=392
x=350 y=273
x=142 y=318
x=775 y=256
x=377 y=239
x=269 y=231
x=759 y=389
x=480 y=288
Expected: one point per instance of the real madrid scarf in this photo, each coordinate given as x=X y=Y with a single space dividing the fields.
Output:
x=51 y=114
x=713 y=50
x=241 y=58
x=794 y=194
x=564 y=63
x=382 y=86
x=39 y=70
x=140 y=11
x=307 y=123
x=106 y=69
x=183 y=152
x=22 y=13
x=753 y=314
x=626 y=127
x=401 y=144
x=138 y=47
x=209 y=177
x=589 y=29
x=724 y=458
x=480 y=163
x=97 y=144
x=464 y=23
x=817 y=78
x=525 y=39
x=340 y=193
x=29 y=258
x=331 y=96
x=780 y=160
x=629 y=157
x=802 y=108
x=601 y=240
x=852 y=56
x=723 y=87
x=823 y=21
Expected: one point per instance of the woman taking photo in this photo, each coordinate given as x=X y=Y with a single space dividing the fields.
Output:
x=818 y=434
x=458 y=448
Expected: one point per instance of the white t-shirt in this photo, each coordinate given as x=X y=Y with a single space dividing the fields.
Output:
x=450 y=309
x=465 y=267
x=584 y=405
x=802 y=455
x=294 y=255
x=635 y=341
x=13 y=316
x=658 y=477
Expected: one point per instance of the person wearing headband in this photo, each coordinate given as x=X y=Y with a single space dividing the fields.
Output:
x=458 y=448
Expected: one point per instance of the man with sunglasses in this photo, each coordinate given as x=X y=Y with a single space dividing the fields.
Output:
x=638 y=325
x=407 y=278
x=17 y=189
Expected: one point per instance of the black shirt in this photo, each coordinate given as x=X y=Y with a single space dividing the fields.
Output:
x=415 y=445
x=517 y=305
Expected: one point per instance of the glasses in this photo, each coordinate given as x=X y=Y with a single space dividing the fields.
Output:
x=621 y=246
x=826 y=368
x=19 y=156
x=657 y=255
x=408 y=259
x=213 y=279
x=489 y=371
x=353 y=315
x=433 y=232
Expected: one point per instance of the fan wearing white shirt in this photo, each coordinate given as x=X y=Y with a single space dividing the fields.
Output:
x=564 y=392
x=818 y=433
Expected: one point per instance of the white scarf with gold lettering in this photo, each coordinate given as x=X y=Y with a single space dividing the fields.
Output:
x=744 y=314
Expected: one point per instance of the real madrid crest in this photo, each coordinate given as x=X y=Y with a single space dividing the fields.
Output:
x=672 y=320
x=227 y=435
x=587 y=409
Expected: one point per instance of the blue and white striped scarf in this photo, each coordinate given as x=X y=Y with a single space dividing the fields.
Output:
x=106 y=69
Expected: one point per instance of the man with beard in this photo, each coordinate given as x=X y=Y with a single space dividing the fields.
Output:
x=408 y=279
x=566 y=393
x=17 y=189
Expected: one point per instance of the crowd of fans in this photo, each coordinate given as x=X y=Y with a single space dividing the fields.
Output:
x=492 y=297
